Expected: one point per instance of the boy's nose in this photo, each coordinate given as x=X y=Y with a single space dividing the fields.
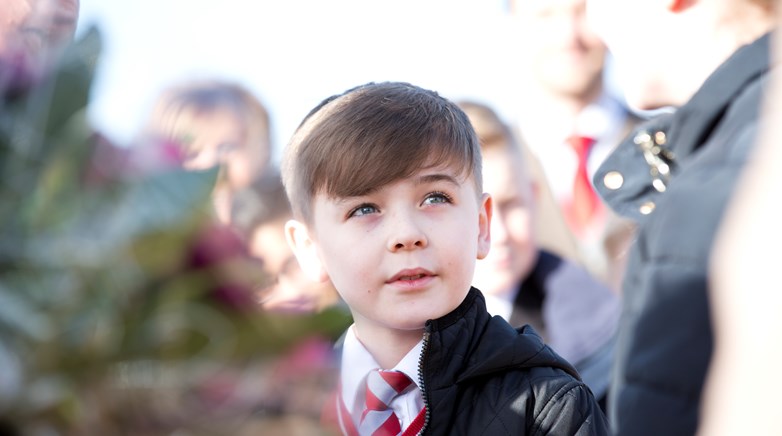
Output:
x=408 y=244
x=406 y=236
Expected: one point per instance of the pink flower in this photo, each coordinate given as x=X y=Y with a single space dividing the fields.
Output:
x=111 y=162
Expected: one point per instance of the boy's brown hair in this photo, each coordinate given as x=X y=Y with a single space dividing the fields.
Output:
x=356 y=142
x=182 y=103
x=261 y=203
x=493 y=133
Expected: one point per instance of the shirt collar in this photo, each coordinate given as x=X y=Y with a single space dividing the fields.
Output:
x=694 y=122
x=599 y=120
x=501 y=303
x=357 y=362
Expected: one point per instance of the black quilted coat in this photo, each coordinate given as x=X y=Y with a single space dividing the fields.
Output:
x=678 y=178
x=481 y=376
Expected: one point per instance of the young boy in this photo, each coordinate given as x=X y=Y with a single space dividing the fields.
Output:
x=385 y=185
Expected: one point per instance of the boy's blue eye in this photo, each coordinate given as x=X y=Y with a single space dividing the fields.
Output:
x=364 y=209
x=437 y=198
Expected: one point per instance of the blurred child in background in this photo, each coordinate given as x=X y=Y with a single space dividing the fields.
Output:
x=576 y=314
x=215 y=123
x=259 y=212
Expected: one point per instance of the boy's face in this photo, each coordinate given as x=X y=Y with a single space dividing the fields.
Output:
x=219 y=137
x=404 y=253
x=514 y=248
x=291 y=290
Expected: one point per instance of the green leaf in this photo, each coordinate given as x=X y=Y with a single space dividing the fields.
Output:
x=18 y=315
x=67 y=90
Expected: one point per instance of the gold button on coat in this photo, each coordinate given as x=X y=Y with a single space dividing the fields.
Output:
x=613 y=180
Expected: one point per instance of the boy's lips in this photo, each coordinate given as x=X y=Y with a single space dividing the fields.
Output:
x=411 y=276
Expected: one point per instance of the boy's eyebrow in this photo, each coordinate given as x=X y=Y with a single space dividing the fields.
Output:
x=421 y=180
x=431 y=178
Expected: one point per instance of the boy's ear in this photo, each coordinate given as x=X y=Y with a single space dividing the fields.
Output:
x=484 y=225
x=305 y=250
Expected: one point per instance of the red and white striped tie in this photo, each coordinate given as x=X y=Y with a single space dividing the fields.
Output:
x=382 y=387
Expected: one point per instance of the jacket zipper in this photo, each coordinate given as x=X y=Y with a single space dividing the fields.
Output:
x=421 y=380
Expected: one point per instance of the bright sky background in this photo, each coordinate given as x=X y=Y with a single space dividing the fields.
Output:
x=294 y=53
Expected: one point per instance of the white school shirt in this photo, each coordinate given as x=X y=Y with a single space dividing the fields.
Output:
x=604 y=120
x=357 y=363
x=501 y=303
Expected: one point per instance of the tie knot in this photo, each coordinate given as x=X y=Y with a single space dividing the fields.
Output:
x=383 y=386
x=581 y=144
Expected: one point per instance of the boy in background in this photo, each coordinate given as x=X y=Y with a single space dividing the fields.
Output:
x=385 y=184
x=215 y=123
x=259 y=213
x=574 y=313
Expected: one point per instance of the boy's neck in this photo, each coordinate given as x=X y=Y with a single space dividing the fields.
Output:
x=387 y=346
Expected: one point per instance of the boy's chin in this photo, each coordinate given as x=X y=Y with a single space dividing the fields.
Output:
x=417 y=324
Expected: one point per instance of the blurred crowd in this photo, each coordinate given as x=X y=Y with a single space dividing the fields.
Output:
x=607 y=235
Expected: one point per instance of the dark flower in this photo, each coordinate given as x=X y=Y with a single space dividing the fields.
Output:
x=219 y=251
x=216 y=244
x=17 y=76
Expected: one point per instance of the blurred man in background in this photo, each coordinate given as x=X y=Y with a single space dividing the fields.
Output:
x=570 y=122
x=32 y=34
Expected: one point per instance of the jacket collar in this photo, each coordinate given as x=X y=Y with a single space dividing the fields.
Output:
x=490 y=342
x=677 y=134
x=694 y=121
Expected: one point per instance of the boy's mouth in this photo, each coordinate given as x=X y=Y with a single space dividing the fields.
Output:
x=410 y=275
x=415 y=277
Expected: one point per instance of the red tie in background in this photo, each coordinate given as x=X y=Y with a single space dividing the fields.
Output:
x=585 y=201
x=382 y=388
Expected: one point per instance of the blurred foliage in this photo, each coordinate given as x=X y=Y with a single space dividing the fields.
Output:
x=124 y=307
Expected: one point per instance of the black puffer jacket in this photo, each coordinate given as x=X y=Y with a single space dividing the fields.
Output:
x=482 y=377
x=676 y=178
